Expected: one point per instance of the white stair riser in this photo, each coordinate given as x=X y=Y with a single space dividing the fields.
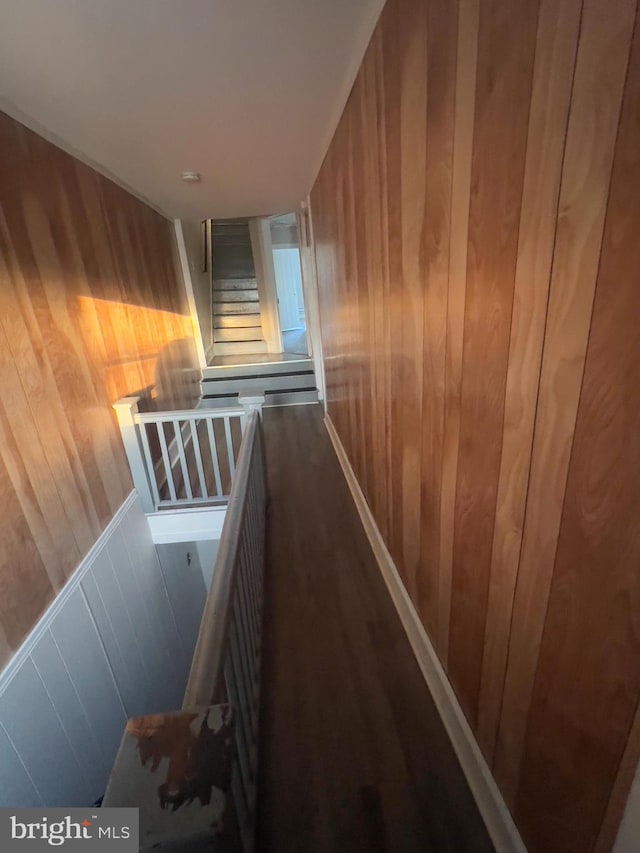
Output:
x=234 y=296
x=236 y=308
x=234 y=284
x=239 y=347
x=251 y=333
x=230 y=321
x=229 y=371
x=284 y=399
x=267 y=383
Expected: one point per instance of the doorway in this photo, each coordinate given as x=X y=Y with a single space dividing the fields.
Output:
x=288 y=275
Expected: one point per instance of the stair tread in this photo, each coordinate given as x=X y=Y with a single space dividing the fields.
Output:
x=235 y=296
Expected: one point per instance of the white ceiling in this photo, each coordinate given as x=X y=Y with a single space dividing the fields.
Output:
x=246 y=92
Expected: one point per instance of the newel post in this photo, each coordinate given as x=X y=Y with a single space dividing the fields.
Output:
x=251 y=403
x=126 y=409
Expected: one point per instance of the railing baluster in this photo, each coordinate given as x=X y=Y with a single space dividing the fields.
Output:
x=165 y=458
x=183 y=459
x=147 y=458
x=239 y=701
x=228 y=649
x=214 y=458
x=193 y=424
x=245 y=661
x=229 y=440
x=240 y=798
x=243 y=581
x=145 y=466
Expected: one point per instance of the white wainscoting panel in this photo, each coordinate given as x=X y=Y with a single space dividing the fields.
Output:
x=117 y=642
x=207 y=551
x=182 y=573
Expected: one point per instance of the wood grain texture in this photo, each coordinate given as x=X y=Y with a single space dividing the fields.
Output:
x=468 y=184
x=587 y=680
x=601 y=65
x=558 y=26
x=503 y=91
x=90 y=310
x=465 y=88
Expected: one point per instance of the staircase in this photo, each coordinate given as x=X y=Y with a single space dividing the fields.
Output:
x=237 y=324
x=283 y=383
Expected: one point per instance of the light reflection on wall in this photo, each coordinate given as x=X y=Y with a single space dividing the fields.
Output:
x=136 y=348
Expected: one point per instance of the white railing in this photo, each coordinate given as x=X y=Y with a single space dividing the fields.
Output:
x=226 y=661
x=225 y=670
x=182 y=458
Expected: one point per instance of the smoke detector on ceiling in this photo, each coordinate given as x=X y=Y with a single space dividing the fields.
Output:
x=190 y=177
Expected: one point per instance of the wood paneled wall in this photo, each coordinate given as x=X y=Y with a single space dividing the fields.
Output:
x=91 y=309
x=476 y=225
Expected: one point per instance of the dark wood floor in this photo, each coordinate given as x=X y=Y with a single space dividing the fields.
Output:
x=353 y=754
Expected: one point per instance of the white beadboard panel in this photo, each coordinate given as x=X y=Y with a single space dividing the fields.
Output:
x=40 y=740
x=122 y=672
x=144 y=558
x=207 y=551
x=138 y=693
x=117 y=642
x=79 y=729
x=133 y=594
x=76 y=636
x=183 y=578
x=16 y=788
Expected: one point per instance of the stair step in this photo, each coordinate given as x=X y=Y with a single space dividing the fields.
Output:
x=256 y=371
x=231 y=261
x=252 y=333
x=279 y=398
x=234 y=284
x=235 y=295
x=236 y=308
x=236 y=321
x=279 y=382
x=240 y=347
x=238 y=230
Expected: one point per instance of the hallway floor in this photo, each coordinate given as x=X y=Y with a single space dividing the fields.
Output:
x=295 y=342
x=353 y=754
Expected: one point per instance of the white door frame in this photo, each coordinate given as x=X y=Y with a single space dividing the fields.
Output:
x=260 y=233
x=310 y=295
x=188 y=287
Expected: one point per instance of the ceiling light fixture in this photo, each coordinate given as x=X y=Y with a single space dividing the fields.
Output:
x=190 y=177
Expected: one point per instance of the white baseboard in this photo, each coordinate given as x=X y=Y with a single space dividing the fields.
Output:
x=493 y=809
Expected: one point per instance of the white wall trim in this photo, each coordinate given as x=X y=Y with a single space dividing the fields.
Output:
x=260 y=233
x=188 y=287
x=311 y=294
x=491 y=805
x=46 y=619
x=186 y=525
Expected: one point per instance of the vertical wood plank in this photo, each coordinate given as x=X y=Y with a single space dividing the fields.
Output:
x=587 y=681
x=466 y=62
x=504 y=80
x=557 y=39
x=90 y=310
x=498 y=146
x=593 y=121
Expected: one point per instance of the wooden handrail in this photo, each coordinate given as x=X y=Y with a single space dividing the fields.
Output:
x=207 y=668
